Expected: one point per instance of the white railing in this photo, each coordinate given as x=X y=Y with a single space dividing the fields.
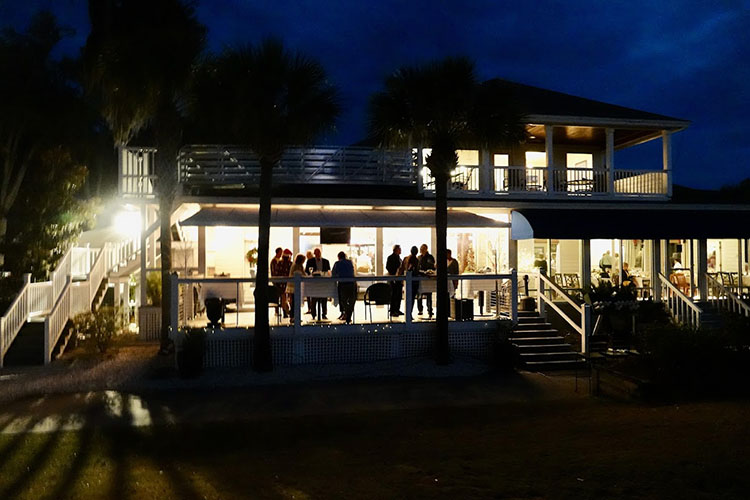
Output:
x=520 y=179
x=582 y=326
x=462 y=178
x=234 y=289
x=97 y=273
x=81 y=259
x=724 y=299
x=119 y=253
x=40 y=297
x=55 y=322
x=137 y=173
x=14 y=318
x=216 y=165
x=679 y=305
x=641 y=182
x=580 y=181
x=61 y=273
x=80 y=298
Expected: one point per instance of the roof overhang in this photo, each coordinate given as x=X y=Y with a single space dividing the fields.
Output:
x=300 y=217
x=555 y=223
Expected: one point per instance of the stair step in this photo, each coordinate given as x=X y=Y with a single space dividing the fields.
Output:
x=556 y=365
x=532 y=326
x=549 y=356
x=535 y=333
x=523 y=341
x=532 y=348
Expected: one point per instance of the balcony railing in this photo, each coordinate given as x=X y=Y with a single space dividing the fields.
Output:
x=235 y=166
x=229 y=165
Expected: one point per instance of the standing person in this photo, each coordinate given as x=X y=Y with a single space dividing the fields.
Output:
x=605 y=263
x=392 y=266
x=276 y=273
x=297 y=268
x=318 y=266
x=411 y=265
x=344 y=268
x=453 y=268
x=283 y=270
x=426 y=263
x=309 y=256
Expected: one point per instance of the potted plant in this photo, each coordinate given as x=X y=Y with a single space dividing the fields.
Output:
x=252 y=259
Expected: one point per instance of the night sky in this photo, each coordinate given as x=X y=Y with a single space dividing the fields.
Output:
x=688 y=60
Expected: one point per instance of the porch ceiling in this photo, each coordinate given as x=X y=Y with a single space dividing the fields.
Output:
x=298 y=217
x=627 y=224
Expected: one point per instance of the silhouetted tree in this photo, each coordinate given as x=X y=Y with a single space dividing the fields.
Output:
x=269 y=98
x=137 y=64
x=442 y=106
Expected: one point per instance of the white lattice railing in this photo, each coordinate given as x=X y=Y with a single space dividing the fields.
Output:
x=679 y=305
x=724 y=299
x=40 y=297
x=582 y=325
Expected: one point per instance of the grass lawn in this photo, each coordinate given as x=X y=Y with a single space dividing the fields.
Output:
x=575 y=449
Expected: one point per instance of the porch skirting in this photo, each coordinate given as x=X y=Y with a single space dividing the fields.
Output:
x=149 y=323
x=234 y=348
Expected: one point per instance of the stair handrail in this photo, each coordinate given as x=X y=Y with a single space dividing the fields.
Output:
x=55 y=322
x=584 y=328
x=14 y=318
x=97 y=273
x=726 y=299
x=680 y=306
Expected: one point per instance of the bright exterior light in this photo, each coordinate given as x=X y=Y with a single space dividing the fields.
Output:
x=128 y=222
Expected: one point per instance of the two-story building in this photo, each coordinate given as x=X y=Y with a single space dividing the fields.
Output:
x=562 y=201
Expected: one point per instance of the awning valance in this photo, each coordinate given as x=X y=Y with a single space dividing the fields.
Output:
x=298 y=217
x=662 y=223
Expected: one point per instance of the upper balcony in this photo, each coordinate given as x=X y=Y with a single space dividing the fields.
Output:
x=227 y=169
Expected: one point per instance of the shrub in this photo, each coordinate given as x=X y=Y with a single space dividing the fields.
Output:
x=153 y=288
x=99 y=328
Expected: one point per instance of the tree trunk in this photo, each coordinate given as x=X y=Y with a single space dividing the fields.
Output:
x=442 y=344
x=262 y=359
x=166 y=202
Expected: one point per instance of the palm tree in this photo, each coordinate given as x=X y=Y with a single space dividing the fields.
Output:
x=441 y=105
x=137 y=65
x=266 y=97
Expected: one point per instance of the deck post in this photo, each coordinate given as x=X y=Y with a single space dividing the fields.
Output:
x=656 y=269
x=610 y=159
x=514 y=296
x=297 y=303
x=585 y=263
x=142 y=287
x=666 y=144
x=702 y=269
x=485 y=172
x=539 y=294
x=408 y=303
x=586 y=327
x=174 y=319
x=549 y=131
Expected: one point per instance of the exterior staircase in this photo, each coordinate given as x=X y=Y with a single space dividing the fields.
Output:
x=711 y=317
x=540 y=347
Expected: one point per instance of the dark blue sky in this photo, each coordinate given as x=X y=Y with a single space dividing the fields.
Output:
x=684 y=59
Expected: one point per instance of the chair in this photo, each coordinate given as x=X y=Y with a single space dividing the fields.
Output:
x=559 y=280
x=379 y=294
x=680 y=281
x=572 y=281
x=274 y=301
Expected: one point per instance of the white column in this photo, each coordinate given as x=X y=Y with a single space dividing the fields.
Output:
x=609 y=158
x=549 y=152
x=550 y=271
x=666 y=143
x=513 y=254
x=433 y=241
x=420 y=164
x=295 y=242
x=379 y=251
x=739 y=267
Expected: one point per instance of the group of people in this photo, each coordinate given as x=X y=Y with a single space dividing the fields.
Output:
x=313 y=264
x=420 y=263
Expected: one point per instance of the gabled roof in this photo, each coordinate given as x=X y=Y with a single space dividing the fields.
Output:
x=543 y=106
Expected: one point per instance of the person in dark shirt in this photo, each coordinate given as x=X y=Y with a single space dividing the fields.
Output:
x=343 y=268
x=411 y=265
x=452 y=267
x=318 y=266
x=426 y=263
x=392 y=266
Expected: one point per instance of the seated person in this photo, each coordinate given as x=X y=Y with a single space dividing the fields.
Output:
x=627 y=278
